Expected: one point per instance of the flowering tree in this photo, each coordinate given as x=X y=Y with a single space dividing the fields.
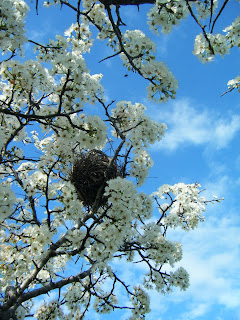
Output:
x=69 y=179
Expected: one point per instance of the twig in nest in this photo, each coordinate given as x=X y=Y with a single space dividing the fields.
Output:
x=90 y=171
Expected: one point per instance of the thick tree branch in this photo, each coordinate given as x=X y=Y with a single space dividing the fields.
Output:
x=53 y=285
x=127 y=2
x=32 y=117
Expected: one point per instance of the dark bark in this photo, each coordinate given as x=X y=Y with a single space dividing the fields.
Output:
x=131 y=2
x=127 y=2
x=8 y=315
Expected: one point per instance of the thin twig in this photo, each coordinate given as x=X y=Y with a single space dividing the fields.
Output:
x=220 y=11
x=114 y=55
x=201 y=26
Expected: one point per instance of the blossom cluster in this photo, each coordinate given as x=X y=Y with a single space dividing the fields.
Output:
x=7 y=198
x=141 y=303
x=164 y=282
x=141 y=131
x=161 y=250
x=136 y=125
x=166 y=14
x=205 y=9
x=141 y=50
x=52 y=309
x=122 y=196
x=12 y=26
x=80 y=37
x=218 y=42
x=45 y=228
x=185 y=211
x=234 y=83
x=207 y=46
x=233 y=33
x=137 y=50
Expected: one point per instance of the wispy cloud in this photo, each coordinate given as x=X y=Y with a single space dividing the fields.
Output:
x=189 y=125
x=211 y=257
x=196 y=310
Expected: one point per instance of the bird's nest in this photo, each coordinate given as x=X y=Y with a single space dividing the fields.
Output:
x=90 y=172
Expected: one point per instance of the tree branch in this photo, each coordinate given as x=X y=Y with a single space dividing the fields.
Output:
x=54 y=285
x=126 y=2
x=219 y=13
x=201 y=26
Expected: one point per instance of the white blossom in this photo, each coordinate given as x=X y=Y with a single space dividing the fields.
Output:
x=12 y=28
x=49 y=238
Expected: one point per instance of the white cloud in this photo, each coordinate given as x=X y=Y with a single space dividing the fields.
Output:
x=220 y=187
x=188 y=125
x=211 y=256
x=196 y=310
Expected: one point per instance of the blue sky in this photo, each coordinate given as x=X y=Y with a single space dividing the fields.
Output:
x=201 y=144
